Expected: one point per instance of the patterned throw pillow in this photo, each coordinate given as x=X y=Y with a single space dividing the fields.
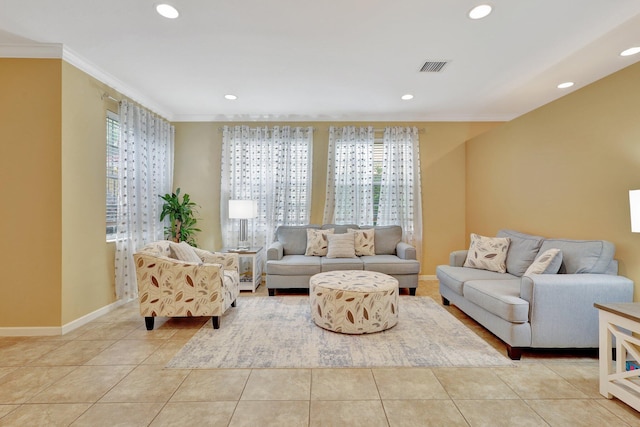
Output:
x=365 y=241
x=341 y=245
x=184 y=252
x=317 y=243
x=547 y=263
x=488 y=253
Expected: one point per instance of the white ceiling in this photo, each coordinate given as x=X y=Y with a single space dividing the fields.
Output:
x=343 y=60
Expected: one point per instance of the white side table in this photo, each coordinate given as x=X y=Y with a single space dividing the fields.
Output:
x=250 y=267
x=615 y=379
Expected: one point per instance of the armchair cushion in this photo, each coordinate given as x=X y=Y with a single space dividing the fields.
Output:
x=184 y=252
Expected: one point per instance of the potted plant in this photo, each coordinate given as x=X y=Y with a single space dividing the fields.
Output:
x=182 y=222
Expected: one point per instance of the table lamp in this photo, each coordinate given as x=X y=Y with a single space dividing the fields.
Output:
x=243 y=210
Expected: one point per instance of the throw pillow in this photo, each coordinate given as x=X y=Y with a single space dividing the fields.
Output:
x=184 y=252
x=317 y=243
x=488 y=253
x=364 y=241
x=547 y=263
x=341 y=246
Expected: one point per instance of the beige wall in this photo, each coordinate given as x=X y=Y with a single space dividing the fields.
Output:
x=87 y=260
x=31 y=188
x=197 y=172
x=564 y=170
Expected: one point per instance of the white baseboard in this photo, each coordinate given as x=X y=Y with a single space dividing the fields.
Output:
x=428 y=277
x=58 y=330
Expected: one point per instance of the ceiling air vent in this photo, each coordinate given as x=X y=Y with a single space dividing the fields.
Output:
x=433 y=66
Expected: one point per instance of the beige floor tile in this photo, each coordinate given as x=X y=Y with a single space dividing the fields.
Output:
x=278 y=384
x=6 y=371
x=343 y=384
x=583 y=376
x=22 y=384
x=146 y=383
x=210 y=414
x=499 y=413
x=536 y=381
x=352 y=413
x=165 y=352
x=621 y=410
x=45 y=415
x=126 y=352
x=204 y=385
x=75 y=352
x=84 y=384
x=108 y=331
x=473 y=383
x=141 y=333
x=575 y=413
x=119 y=414
x=263 y=413
x=21 y=353
x=404 y=383
x=423 y=413
x=5 y=409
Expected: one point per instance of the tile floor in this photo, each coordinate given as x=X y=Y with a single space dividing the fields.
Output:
x=110 y=372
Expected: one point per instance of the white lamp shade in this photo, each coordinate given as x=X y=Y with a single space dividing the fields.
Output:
x=634 y=204
x=243 y=209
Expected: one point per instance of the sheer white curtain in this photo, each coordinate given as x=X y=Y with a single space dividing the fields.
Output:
x=349 y=176
x=145 y=171
x=400 y=194
x=271 y=166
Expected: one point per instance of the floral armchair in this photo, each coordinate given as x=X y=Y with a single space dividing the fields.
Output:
x=178 y=280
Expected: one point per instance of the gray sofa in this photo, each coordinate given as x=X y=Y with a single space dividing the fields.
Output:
x=538 y=310
x=288 y=267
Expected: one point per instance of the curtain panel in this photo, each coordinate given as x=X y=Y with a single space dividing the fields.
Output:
x=400 y=191
x=349 y=176
x=145 y=171
x=271 y=166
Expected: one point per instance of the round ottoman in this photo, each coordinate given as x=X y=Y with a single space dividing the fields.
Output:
x=354 y=301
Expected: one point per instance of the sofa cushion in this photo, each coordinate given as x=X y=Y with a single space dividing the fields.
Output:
x=386 y=239
x=293 y=238
x=390 y=264
x=523 y=250
x=500 y=297
x=582 y=256
x=547 y=263
x=365 y=241
x=339 y=228
x=488 y=253
x=331 y=264
x=341 y=245
x=317 y=242
x=294 y=265
x=455 y=277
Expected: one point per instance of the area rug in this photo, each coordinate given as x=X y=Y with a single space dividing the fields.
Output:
x=277 y=332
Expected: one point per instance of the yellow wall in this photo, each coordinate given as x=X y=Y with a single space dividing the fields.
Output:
x=31 y=188
x=197 y=172
x=564 y=170
x=87 y=260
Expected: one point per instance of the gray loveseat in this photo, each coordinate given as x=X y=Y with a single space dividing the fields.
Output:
x=288 y=267
x=538 y=310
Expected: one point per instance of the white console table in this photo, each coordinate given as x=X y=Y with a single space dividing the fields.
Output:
x=616 y=321
x=250 y=267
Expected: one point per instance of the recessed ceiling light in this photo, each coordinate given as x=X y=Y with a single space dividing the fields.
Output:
x=630 y=51
x=230 y=97
x=406 y=97
x=167 y=11
x=565 y=85
x=480 y=11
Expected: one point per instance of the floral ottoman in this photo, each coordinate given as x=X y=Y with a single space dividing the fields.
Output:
x=354 y=301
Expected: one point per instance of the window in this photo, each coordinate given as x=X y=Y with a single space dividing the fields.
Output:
x=113 y=146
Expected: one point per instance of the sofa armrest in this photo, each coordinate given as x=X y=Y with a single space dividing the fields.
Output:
x=457 y=258
x=275 y=251
x=561 y=310
x=405 y=251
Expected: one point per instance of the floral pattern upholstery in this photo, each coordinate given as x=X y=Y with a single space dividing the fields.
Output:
x=353 y=301
x=173 y=288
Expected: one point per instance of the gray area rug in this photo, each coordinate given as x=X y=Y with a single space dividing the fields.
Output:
x=277 y=332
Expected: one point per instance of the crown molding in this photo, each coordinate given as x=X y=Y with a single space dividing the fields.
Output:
x=36 y=51
x=340 y=118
